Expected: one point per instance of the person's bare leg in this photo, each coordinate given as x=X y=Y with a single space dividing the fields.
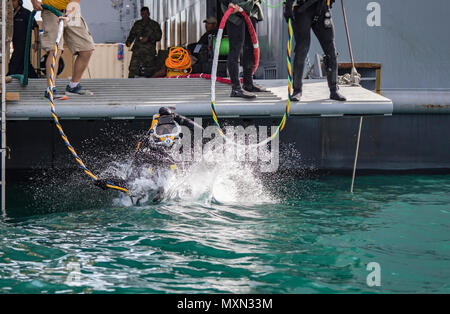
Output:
x=80 y=65
x=48 y=65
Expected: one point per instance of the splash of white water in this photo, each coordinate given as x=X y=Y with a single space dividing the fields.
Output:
x=214 y=179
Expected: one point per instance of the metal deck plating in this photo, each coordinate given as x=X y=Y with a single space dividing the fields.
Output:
x=141 y=98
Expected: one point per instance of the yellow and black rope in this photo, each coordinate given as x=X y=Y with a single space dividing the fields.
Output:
x=56 y=119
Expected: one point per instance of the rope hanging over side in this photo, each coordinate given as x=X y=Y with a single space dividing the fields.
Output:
x=256 y=53
x=56 y=119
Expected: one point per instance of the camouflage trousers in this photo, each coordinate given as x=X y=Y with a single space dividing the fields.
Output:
x=142 y=64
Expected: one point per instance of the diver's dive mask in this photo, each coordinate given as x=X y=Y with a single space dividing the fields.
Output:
x=165 y=131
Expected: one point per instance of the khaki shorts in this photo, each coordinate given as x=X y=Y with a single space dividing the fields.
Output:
x=77 y=38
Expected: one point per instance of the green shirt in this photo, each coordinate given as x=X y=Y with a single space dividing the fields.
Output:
x=251 y=7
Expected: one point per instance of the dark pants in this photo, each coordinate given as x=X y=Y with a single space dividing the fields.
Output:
x=304 y=22
x=16 y=64
x=239 y=37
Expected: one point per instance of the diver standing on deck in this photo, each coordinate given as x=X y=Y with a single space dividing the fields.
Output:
x=239 y=37
x=315 y=15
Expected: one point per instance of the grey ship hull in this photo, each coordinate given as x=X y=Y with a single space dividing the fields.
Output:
x=411 y=44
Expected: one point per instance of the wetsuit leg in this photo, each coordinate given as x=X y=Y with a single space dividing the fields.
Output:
x=248 y=61
x=236 y=37
x=326 y=38
x=302 y=35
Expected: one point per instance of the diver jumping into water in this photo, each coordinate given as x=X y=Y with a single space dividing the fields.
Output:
x=153 y=153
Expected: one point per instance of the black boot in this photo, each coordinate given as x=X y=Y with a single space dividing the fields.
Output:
x=238 y=92
x=334 y=89
x=335 y=95
x=254 y=89
x=296 y=95
x=332 y=75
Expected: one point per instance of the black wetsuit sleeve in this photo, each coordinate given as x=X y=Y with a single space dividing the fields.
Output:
x=181 y=120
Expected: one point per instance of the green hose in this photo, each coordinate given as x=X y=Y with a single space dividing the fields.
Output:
x=224 y=46
x=24 y=78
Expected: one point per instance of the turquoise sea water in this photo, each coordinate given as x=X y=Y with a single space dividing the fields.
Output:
x=307 y=236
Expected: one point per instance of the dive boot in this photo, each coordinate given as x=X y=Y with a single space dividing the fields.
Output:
x=335 y=95
x=254 y=89
x=296 y=95
x=235 y=92
x=332 y=76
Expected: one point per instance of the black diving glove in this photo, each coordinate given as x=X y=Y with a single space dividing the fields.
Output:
x=101 y=184
x=288 y=11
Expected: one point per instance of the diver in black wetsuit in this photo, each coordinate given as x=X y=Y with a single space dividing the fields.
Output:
x=154 y=150
x=240 y=39
x=315 y=15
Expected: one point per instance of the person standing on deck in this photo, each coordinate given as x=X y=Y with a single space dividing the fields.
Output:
x=315 y=15
x=21 y=20
x=239 y=37
x=145 y=33
x=76 y=36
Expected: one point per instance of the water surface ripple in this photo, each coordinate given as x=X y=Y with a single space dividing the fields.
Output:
x=314 y=237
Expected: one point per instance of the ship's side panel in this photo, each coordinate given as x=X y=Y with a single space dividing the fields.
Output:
x=109 y=21
x=409 y=38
